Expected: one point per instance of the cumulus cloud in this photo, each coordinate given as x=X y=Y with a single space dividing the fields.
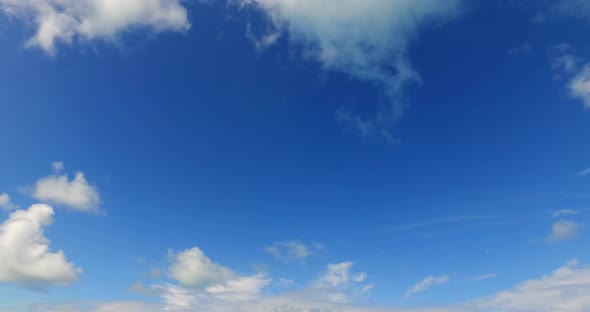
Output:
x=6 y=203
x=563 y=230
x=67 y=21
x=577 y=74
x=292 y=250
x=26 y=258
x=427 y=283
x=77 y=194
x=192 y=268
x=564 y=290
x=367 y=40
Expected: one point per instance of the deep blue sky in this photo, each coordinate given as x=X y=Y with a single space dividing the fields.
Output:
x=196 y=138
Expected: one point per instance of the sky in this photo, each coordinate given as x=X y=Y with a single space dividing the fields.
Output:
x=294 y=155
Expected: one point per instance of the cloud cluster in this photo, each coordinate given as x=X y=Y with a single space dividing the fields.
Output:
x=26 y=258
x=77 y=194
x=367 y=40
x=66 y=21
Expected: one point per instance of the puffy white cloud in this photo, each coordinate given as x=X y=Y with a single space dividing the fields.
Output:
x=192 y=268
x=6 y=203
x=565 y=290
x=243 y=288
x=292 y=250
x=66 y=21
x=76 y=194
x=25 y=255
x=563 y=230
x=366 y=39
x=427 y=283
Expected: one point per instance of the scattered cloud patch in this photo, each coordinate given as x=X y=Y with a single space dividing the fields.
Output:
x=367 y=40
x=484 y=277
x=26 y=257
x=6 y=203
x=291 y=251
x=576 y=72
x=426 y=284
x=69 y=21
x=58 y=166
x=584 y=172
x=564 y=213
x=563 y=230
x=77 y=194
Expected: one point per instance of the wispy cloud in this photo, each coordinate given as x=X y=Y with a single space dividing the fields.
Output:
x=584 y=172
x=292 y=250
x=484 y=277
x=427 y=283
x=563 y=230
x=565 y=213
x=338 y=36
x=445 y=221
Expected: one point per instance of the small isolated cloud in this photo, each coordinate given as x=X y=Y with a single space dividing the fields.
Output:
x=6 y=203
x=77 y=194
x=563 y=230
x=564 y=213
x=584 y=172
x=69 y=21
x=577 y=73
x=26 y=258
x=367 y=40
x=427 y=283
x=58 y=166
x=292 y=250
x=484 y=277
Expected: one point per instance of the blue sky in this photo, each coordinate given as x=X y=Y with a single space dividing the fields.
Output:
x=294 y=155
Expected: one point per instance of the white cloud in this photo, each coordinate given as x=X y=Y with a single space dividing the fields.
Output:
x=366 y=39
x=563 y=230
x=193 y=269
x=77 y=194
x=243 y=288
x=25 y=255
x=6 y=203
x=292 y=250
x=584 y=172
x=565 y=290
x=579 y=86
x=66 y=21
x=427 y=283
x=484 y=277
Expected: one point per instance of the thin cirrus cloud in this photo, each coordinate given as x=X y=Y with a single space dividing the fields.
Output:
x=485 y=277
x=77 y=194
x=367 y=40
x=426 y=284
x=26 y=257
x=68 y=21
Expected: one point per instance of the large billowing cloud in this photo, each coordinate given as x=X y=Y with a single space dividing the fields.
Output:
x=366 y=39
x=25 y=257
x=66 y=21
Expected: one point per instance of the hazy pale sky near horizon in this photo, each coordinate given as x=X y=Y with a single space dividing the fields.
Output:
x=294 y=155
